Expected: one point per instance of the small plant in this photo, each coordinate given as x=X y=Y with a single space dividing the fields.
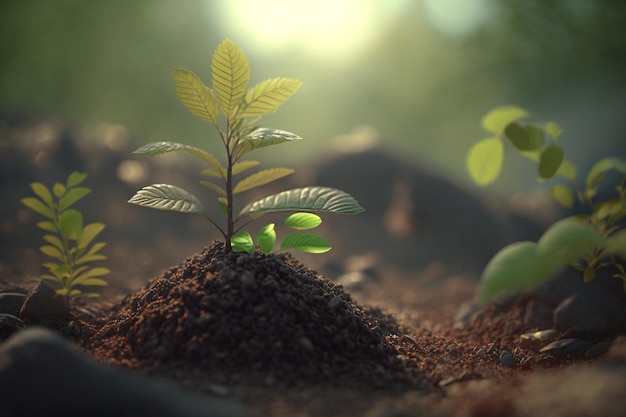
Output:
x=587 y=242
x=233 y=110
x=70 y=243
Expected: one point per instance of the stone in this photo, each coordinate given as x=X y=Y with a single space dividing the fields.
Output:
x=11 y=302
x=9 y=324
x=507 y=359
x=42 y=303
x=43 y=374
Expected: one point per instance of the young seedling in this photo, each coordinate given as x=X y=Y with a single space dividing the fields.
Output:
x=587 y=242
x=69 y=242
x=233 y=110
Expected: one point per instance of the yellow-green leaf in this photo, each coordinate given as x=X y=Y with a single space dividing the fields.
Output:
x=37 y=206
x=195 y=95
x=43 y=193
x=567 y=170
x=52 y=251
x=75 y=178
x=158 y=148
x=242 y=166
x=89 y=258
x=496 y=120
x=553 y=129
x=54 y=241
x=563 y=195
x=305 y=242
x=72 y=196
x=92 y=282
x=214 y=187
x=89 y=233
x=261 y=178
x=212 y=172
x=58 y=189
x=91 y=273
x=484 y=160
x=267 y=96
x=230 y=75
x=48 y=226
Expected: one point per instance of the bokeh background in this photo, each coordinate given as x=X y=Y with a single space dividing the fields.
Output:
x=421 y=73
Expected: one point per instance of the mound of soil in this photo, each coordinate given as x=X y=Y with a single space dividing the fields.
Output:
x=256 y=319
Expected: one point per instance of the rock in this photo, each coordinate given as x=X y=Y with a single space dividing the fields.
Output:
x=536 y=339
x=578 y=391
x=568 y=347
x=598 y=311
x=507 y=359
x=11 y=302
x=9 y=324
x=42 y=374
x=42 y=302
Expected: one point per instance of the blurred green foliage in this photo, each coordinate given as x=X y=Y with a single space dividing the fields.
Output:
x=422 y=89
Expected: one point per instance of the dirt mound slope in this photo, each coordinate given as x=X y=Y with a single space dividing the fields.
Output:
x=255 y=319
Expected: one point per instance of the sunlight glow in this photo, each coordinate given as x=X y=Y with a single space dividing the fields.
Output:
x=330 y=29
x=457 y=17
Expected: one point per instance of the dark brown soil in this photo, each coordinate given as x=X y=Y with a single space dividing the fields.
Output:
x=267 y=331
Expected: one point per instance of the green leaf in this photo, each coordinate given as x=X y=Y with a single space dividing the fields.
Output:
x=496 y=120
x=214 y=187
x=303 y=221
x=43 y=193
x=167 y=197
x=515 y=267
x=158 y=148
x=596 y=173
x=89 y=234
x=53 y=252
x=72 y=196
x=553 y=129
x=223 y=203
x=568 y=240
x=306 y=199
x=484 y=161
x=305 y=242
x=550 y=161
x=195 y=95
x=525 y=137
x=262 y=137
x=242 y=166
x=48 y=226
x=563 y=195
x=266 y=238
x=267 y=96
x=58 y=189
x=242 y=242
x=230 y=72
x=261 y=178
x=37 y=206
x=71 y=224
x=75 y=178
x=616 y=244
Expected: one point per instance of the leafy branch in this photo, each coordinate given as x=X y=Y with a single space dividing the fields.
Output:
x=233 y=110
x=587 y=242
x=69 y=242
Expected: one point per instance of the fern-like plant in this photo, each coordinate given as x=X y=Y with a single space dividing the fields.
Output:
x=69 y=242
x=234 y=110
x=587 y=242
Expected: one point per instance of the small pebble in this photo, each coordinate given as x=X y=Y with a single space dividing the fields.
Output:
x=507 y=359
x=334 y=302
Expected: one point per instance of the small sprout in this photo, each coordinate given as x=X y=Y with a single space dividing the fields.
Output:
x=586 y=242
x=233 y=109
x=69 y=242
